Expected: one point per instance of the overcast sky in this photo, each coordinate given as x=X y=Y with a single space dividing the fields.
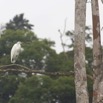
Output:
x=47 y=15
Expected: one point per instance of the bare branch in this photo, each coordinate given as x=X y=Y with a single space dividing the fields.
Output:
x=17 y=68
x=65 y=26
x=61 y=38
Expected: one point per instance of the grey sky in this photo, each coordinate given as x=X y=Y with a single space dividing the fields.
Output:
x=47 y=15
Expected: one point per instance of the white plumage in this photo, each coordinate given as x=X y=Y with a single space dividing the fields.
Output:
x=15 y=51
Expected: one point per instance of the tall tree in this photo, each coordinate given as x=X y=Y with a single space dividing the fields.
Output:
x=79 y=52
x=97 y=55
x=19 y=22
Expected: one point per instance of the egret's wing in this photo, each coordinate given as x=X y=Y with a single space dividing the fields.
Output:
x=14 y=53
x=22 y=49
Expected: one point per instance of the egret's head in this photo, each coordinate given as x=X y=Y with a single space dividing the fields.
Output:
x=19 y=42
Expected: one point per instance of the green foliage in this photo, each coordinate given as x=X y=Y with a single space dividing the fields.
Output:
x=90 y=89
x=9 y=38
x=67 y=64
x=35 y=50
x=89 y=58
x=43 y=89
x=19 y=23
x=8 y=86
x=36 y=53
x=58 y=62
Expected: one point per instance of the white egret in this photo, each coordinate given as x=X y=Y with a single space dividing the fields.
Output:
x=15 y=51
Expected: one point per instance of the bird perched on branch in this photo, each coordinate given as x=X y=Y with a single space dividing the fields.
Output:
x=15 y=51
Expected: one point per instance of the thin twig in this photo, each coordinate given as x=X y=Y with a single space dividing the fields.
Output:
x=61 y=38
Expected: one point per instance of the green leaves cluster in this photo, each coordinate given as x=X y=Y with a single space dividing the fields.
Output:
x=43 y=89
x=19 y=22
x=8 y=86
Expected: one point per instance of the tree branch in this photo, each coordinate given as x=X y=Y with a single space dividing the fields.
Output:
x=17 y=68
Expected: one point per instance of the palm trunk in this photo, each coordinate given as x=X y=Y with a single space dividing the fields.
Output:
x=97 y=55
x=79 y=52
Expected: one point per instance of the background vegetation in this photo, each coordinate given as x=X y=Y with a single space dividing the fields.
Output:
x=38 y=54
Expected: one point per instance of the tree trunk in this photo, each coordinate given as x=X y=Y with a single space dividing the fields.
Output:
x=97 y=55
x=79 y=52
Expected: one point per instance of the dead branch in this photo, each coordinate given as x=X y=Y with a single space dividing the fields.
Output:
x=61 y=38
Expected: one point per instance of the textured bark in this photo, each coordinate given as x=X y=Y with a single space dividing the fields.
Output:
x=97 y=55
x=79 y=52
